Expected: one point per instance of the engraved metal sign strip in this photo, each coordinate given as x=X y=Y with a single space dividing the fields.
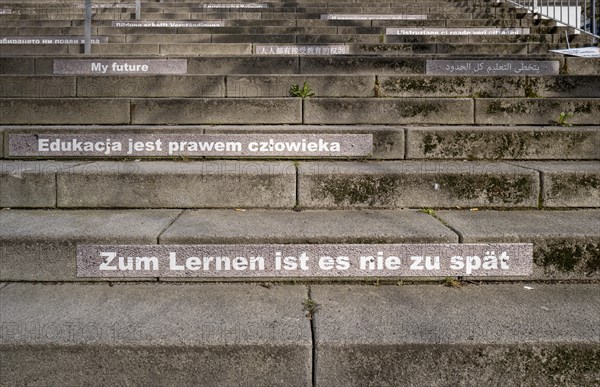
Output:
x=167 y=24
x=47 y=39
x=306 y=261
x=119 y=66
x=491 y=67
x=109 y=5
x=584 y=52
x=155 y=145
x=433 y=31
x=340 y=49
x=360 y=16
x=236 y=5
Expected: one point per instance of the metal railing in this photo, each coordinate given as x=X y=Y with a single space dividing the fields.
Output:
x=582 y=15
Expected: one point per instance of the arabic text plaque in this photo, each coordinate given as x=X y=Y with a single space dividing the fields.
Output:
x=491 y=67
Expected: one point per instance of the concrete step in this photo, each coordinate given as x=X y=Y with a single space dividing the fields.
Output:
x=312 y=111
x=273 y=86
x=264 y=330
x=108 y=331
x=518 y=336
x=249 y=48
x=114 y=32
x=289 y=64
x=41 y=245
x=389 y=142
x=278 y=184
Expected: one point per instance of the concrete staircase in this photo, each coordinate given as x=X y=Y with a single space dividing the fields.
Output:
x=456 y=158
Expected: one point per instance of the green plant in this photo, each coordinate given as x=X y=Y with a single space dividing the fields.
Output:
x=564 y=117
x=310 y=307
x=428 y=211
x=452 y=282
x=304 y=92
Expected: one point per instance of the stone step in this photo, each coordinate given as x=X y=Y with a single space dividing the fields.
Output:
x=278 y=184
x=313 y=65
x=389 y=142
x=301 y=10
x=537 y=27
x=312 y=111
x=273 y=86
x=325 y=14
x=127 y=34
x=41 y=245
x=110 y=330
x=265 y=331
x=219 y=49
x=454 y=333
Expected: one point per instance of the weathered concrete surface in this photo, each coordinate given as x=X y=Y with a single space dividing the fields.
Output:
x=279 y=85
x=474 y=335
x=149 y=334
x=120 y=49
x=566 y=243
x=269 y=226
x=17 y=65
x=40 y=245
x=198 y=184
x=30 y=183
x=415 y=184
x=217 y=111
x=243 y=65
x=470 y=143
x=490 y=86
x=393 y=111
x=151 y=86
x=568 y=184
x=536 y=111
x=361 y=65
x=31 y=111
x=206 y=49
x=388 y=141
x=583 y=66
x=37 y=86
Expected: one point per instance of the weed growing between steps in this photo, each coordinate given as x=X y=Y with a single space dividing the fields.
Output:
x=310 y=306
x=302 y=92
x=563 y=119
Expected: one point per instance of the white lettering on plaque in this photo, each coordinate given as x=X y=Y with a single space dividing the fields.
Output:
x=307 y=261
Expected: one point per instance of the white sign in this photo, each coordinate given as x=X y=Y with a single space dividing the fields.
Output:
x=45 y=39
x=341 y=49
x=491 y=67
x=111 y=5
x=119 y=66
x=236 y=5
x=238 y=145
x=306 y=261
x=168 y=24
x=360 y=16
x=584 y=52
x=434 y=31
